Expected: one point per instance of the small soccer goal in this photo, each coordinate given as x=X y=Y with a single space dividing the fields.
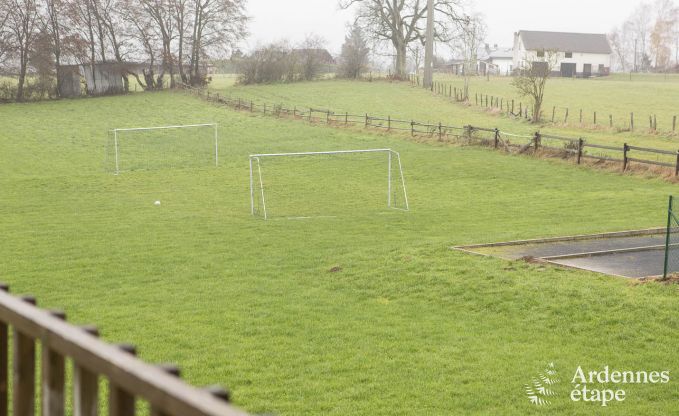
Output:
x=326 y=184
x=166 y=147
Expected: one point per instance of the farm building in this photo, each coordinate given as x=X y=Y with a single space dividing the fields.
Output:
x=576 y=54
x=501 y=61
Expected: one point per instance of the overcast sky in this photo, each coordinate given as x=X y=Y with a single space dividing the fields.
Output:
x=274 y=20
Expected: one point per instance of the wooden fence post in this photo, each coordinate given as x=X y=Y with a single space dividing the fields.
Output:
x=366 y=119
x=595 y=118
x=655 y=122
x=4 y=369
x=412 y=128
x=553 y=113
x=346 y=118
x=581 y=116
x=650 y=122
x=476 y=95
x=610 y=120
x=676 y=167
x=85 y=386
x=512 y=107
x=565 y=118
x=120 y=402
x=674 y=124
x=327 y=117
x=389 y=123
x=537 y=140
x=23 y=397
x=53 y=378
x=310 y=115
x=631 y=121
x=440 y=132
x=625 y=150
x=497 y=138
x=581 y=144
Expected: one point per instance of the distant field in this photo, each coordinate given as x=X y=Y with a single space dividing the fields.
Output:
x=617 y=95
x=368 y=313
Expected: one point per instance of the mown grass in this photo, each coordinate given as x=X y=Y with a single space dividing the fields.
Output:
x=407 y=326
x=401 y=100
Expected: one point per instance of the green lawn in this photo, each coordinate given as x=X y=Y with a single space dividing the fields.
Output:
x=407 y=326
x=400 y=100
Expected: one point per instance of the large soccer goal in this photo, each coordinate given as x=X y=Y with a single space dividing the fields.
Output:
x=150 y=148
x=331 y=183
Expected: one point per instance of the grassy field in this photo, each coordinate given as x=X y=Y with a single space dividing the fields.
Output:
x=400 y=100
x=403 y=326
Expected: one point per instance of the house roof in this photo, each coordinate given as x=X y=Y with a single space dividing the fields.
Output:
x=566 y=42
x=502 y=53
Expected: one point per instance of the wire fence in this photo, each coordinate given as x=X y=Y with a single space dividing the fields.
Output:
x=555 y=114
x=626 y=157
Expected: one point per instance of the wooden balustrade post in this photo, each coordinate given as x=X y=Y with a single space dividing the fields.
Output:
x=85 y=386
x=53 y=377
x=172 y=370
x=120 y=402
x=23 y=386
x=4 y=380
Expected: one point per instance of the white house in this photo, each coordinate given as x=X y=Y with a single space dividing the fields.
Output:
x=501 y=61
x=576 y=54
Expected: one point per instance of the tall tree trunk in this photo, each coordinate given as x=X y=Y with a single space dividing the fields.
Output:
x=401 y=53
x=22 y=74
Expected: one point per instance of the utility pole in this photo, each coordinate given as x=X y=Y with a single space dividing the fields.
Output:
x=429 y=47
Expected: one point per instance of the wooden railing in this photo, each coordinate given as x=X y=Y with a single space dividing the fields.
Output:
x=129 y=378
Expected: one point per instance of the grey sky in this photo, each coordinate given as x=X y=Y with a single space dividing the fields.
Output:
x=294 y=19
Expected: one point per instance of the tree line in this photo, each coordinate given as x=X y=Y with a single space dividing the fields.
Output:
x=648 y=40
x=171 y=39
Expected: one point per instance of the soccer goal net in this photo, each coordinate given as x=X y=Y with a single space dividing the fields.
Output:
x=317 y=184
x=151 y=148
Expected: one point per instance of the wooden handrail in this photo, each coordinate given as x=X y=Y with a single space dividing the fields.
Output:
x=165 y=392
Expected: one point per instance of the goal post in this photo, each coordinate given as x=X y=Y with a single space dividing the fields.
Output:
x=146 y=148
x=393 y=182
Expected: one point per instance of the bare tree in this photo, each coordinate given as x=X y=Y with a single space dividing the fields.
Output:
x=311 y=55
x=401 y=22
x=531 y=79
x=21 y=24
x=471 y=35
x=622 y=42
x=217 y=26
x=416 y=50
x=355 y=53
x=52 y=25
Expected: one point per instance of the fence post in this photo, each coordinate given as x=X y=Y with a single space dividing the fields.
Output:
x=85 y=387
x=4 y=362
x=388 y=123
x=625 y=149
x=655 y=122
x=581 y=116
x=477 y=98
x=676 y=168
x=595 y=118
x=553 y=113
x=674 y=124
x=120 y=402
x=23 y=397
x=650 y=122
x=512 y=107
x=440 y=132
x=310 y=115
x=366 y=119
x=581 y=144
x=497 y=137
x=412 y=128
x=565 y=118
x=537 y=140
x=631 y=121
x=346 y=118
x=53 y=377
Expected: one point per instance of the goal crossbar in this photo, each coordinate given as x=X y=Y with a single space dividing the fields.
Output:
x=257 y=179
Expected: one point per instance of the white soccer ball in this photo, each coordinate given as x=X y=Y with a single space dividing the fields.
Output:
x=157 y=203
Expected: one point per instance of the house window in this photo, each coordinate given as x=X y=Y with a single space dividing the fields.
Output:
x=541 y=54
x=569 y=54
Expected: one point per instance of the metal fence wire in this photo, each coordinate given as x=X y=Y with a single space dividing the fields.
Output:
x=672 y=239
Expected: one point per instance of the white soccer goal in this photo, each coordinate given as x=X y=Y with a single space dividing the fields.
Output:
x=317 y=184
x=149 y=148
